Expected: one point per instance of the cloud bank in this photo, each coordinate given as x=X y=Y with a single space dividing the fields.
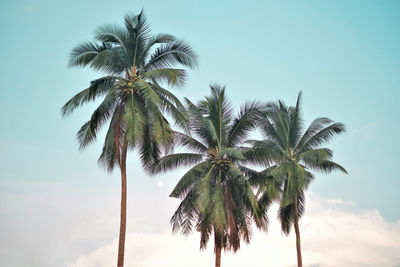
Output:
x=332 y=232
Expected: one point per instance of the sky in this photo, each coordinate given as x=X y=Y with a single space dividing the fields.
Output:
x=59 y=208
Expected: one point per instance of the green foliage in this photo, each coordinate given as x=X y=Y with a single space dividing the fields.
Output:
x=289 y=154
x=216 y=196
x=137 y=64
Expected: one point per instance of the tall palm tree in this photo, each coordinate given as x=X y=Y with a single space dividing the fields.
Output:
x=136 y=65
x=216 y=197
x=293 y=154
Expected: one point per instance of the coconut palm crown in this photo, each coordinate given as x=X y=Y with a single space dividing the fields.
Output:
x=216 y=196
x=293 y=155
x=136 y=65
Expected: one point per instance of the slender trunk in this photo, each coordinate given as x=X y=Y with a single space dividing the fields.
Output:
x=297 y=230
x=218 y=256
x=122 y=227
x=218 y=249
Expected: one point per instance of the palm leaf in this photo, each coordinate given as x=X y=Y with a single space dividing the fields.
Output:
x=174 y=161
x=181 y=139
x=169 y=75
x=170 y=54
x=189 y=179
x=87 y=133
x=243 y=123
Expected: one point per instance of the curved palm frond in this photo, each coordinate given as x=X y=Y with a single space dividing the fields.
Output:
x=322 y=136
x=97 y=88
x=173 y=161
x=243 y=123
x=168 y=54
x=186 y=214
x=85 y=53
x=315 y=156
x=246 y=189
x=112 y=34
x=286 y=213
x=268 y=129
x=218 y=110
x=88 y=132
x=181 y=139
x=295 y=123
x=327 y=166
x=111 y=153
x=232 y=153
x=171 y=76
x=202 y=126
x=180 y=116
x=315 y=126
x=190 y=179
x=158 y=39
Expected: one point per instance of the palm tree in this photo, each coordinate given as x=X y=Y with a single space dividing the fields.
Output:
x=136 y=64
x=293 y=154
x=216 y=197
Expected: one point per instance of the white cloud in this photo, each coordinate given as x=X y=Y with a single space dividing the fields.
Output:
x=365 y=132
x=331 y=236
x=337 y=201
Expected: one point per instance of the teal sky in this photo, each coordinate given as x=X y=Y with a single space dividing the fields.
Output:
x=343 y=55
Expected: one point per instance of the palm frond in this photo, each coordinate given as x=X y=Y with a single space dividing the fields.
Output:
x=138 y=35
x=112 y=34
x=243 y=123
x=76 y=101
x=148 y=92
x=134 y=117
x=88 y=132
x=315 y=126
x=286 y=213
x=327 y=166
x=218 y=110
x=322 y=136
x=205 y=227
x=190 y=179
x=181 y=139
x=204 y=188
x=97 y=88
x=162 y=92
x=262 y=153
x=295 y=123
x=268 y=129
x=149 y=148
x=202 y=126
x=173 y=161
x=158 y=39
x=169 y=75
x=315 y=156
x=85 y=53
x=111 y=153
x=169 y=54
x=185 y=215
x=218 y=209
x=279 y=117
x=179 y=116
x=245 y=187
x=232 y=153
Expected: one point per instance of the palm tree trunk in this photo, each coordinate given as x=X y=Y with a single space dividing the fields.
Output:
x=218 y=248
x=122 y=227
x=218 y=256
x=297 y=230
